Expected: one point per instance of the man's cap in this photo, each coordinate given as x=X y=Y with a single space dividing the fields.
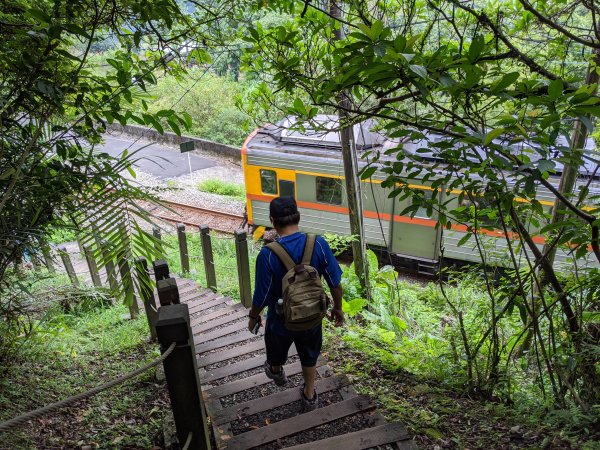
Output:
x=282 y=207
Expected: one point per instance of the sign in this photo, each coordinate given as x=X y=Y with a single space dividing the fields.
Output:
x=185 y=147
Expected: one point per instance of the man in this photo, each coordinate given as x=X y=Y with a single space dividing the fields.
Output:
x=270 y=271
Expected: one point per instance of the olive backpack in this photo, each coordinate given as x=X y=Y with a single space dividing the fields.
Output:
x=304 y=300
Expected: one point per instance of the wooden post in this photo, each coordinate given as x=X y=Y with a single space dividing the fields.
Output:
x=111 y=274
x=243 y=267
x=183 y=248
x=166 y=285
x=158 y=240
x=48 y=258
x=355 y=210
x=147 y=294
x=181 y=373
x=91 y=262
x=207 y=256
x=66 y=259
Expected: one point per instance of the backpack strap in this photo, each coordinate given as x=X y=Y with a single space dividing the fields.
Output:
x=282 y=254
x=309 y=248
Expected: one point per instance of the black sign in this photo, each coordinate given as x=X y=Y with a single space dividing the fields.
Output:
x=186 y=146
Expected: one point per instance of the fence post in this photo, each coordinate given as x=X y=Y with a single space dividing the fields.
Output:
x=111 y=274
x=48 y=258
x=158 y=240
x=181 y=373
x=66 y=259
x=243 y=267
x=183 y=248
x=147 y=294
x=166 y=285
x=207 y=256
x=91 y=262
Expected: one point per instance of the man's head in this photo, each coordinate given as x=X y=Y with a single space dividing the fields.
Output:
x=283 y=212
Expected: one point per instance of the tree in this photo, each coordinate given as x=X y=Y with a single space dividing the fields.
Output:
x=495 y=90
x=54 y=109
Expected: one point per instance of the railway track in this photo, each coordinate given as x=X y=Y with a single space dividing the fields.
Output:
x=195 y=216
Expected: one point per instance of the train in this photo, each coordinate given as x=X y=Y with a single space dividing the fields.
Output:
x=279 y=160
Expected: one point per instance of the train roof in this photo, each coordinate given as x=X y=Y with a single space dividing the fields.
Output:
x=320 y=138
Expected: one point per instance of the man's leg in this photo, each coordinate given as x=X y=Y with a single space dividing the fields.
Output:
x=309 y=344
x=309 y=374
x=277 y=348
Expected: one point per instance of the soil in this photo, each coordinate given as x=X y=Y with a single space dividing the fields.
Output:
x=344 y=425
x=283 y=412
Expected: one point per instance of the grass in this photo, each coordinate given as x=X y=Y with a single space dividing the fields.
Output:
x=70 y=353
x=224 y=259
x=220 y=187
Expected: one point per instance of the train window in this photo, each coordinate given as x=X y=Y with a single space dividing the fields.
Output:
x=268 y=181
x=329 y=190
x=422 y=211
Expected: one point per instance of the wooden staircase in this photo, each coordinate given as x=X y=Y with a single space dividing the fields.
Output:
x=248 y=411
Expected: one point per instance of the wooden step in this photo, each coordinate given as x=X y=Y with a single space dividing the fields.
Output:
x=224 y=331
x=368 y=438
x=251 y=382
x=297 y=424
x=237 y=367
x=218 y=313
x=207 y=360
x=207 y=326
x=202 y=347
x=262 y=404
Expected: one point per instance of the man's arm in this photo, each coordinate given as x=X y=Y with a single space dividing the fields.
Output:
x=337 y=315
x=262 y=288
x=333 y=275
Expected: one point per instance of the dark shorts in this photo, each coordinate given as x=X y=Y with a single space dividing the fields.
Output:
x=308 y=344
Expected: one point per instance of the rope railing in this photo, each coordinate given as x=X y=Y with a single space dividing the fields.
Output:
x=24 y=418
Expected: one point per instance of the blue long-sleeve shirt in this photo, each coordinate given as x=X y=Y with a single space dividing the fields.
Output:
x=270 y=271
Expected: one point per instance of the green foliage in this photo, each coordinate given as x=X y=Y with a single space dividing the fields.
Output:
x=220 y=187
x=224 y=258
x=483 y=116
x=210 y=102
x=70 y=351
x=339 y=243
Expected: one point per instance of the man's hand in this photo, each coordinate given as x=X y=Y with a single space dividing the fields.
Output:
x=252 y=323
x=337 y=317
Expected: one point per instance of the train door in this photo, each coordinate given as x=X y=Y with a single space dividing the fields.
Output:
x=287 y=188
x=415 y=237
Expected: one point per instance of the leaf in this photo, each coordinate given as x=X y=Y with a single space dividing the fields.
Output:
x=354 y=306
x=464 y=239
x=188 y=120
x=368 y=172
x=504 y=82
x=419 y=70
x=555 y=89
x=544 y=165
x=38 y=15
x=174 y=126
x=476 y=48
x=489 y=137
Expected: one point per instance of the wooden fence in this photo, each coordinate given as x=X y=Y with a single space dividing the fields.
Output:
x=121 y=270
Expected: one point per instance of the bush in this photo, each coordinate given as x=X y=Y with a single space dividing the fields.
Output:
x=222 y=188
x=210 y=102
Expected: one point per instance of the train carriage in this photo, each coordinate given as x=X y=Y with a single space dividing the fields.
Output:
x=308 y=166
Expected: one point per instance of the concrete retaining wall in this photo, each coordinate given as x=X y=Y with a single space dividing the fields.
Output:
x=202 y=146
